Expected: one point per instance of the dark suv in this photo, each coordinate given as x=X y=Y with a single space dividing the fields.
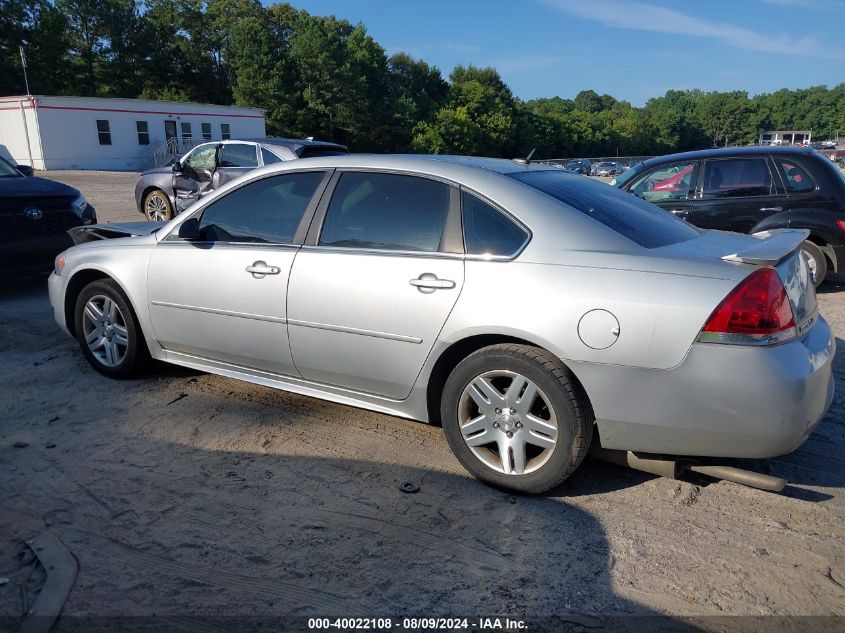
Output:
x=752 y=189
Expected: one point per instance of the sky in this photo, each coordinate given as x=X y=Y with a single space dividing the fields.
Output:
x=632 y=50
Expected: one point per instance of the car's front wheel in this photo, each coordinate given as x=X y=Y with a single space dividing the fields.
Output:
x=157 y=206
x=816 y=260
x=516 y=418
x=108 y=331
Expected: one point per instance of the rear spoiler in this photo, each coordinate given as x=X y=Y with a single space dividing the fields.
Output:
x=773 y=247
x=82 y=234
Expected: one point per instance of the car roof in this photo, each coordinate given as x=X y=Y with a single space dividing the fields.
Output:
x=292 y=143
x=723 y=152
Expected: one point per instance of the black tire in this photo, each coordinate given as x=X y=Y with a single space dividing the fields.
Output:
x=560 y=388
x=157 y=195
x=131 y=357
x=817 y=261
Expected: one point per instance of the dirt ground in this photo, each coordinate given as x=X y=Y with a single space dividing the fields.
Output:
x=183 y=494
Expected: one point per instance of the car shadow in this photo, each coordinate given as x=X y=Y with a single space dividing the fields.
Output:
x=233 y=540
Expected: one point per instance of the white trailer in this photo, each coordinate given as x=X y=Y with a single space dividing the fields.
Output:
x=114 y=134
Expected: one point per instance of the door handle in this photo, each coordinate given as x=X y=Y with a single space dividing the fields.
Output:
x=775 y=209
x=260 y=268
x=429 y=282
x=681 y=213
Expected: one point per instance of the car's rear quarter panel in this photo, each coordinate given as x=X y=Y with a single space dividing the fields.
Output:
x=659 y=314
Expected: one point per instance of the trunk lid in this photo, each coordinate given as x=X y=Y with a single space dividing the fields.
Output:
x=779 y=248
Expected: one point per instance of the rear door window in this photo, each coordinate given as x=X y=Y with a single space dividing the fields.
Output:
x=268 y=157
x=795 y=177
x=737 y=178
x=387 y=212
x=641 y=222
x=238 y=155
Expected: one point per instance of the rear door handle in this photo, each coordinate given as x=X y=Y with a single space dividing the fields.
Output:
x=681 y=213
x=260 y=268
x=429 y=282
x=775 y=209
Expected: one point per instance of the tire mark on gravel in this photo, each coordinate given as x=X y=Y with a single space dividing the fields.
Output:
x=282 y=591
x=409 y=534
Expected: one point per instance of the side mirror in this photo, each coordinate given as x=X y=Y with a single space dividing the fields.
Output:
x=26 y=170
x=190 y=230
x=177 y=167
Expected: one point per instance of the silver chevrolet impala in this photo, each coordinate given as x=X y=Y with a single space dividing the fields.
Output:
x=528 y=310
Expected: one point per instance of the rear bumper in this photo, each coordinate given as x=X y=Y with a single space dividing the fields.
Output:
x=722 y=401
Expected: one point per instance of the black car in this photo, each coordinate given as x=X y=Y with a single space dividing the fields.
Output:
x=35 y=215
x=752 y=189
x=578 y=166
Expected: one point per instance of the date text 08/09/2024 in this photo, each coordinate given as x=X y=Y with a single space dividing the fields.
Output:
x=416 y=624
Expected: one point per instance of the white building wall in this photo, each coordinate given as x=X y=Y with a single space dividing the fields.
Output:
x=65 y=130
x=17 y=118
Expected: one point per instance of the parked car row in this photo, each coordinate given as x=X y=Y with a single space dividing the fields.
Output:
x=587 y=167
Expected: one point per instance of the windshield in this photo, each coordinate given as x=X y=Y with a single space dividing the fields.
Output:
x=641 y=222
x=626 y=175
x=7 y=171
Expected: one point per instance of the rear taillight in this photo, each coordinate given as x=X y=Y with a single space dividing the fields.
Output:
x=756 y=312
x=841 y=224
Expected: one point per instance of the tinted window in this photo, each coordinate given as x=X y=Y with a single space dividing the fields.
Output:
x=487 y=231
x=238 y=155
x=225 y=134
x=386 y=211
x=269 y=157
x=797 y=180
x=667 y=182
x=206 y=131
x=186 y=130
x=314 y=152
x=737 y=177
x=202 y=157
x=268 y=210
x=641 y=222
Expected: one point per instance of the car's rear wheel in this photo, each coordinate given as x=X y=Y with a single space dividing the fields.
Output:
x=516 y=418
x=816 y=260
x=108 y=331
x=157 y=206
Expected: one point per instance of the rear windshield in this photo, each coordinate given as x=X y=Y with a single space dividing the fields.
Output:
x=640 y=221
x=314 y=152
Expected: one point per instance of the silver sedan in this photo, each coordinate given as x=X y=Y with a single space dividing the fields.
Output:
x=528 y=310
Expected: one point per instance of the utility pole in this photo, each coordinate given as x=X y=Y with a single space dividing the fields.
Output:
x=23 y=63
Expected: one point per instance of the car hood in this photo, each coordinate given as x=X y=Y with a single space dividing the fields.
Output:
x=94 y=232
x=35 y=187
x=158 y=170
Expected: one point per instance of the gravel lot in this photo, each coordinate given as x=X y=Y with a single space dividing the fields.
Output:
x=189 y=494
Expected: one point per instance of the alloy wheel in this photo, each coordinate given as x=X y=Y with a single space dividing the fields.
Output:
x=507 y=422
x=156 y=207
x=105 y=330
